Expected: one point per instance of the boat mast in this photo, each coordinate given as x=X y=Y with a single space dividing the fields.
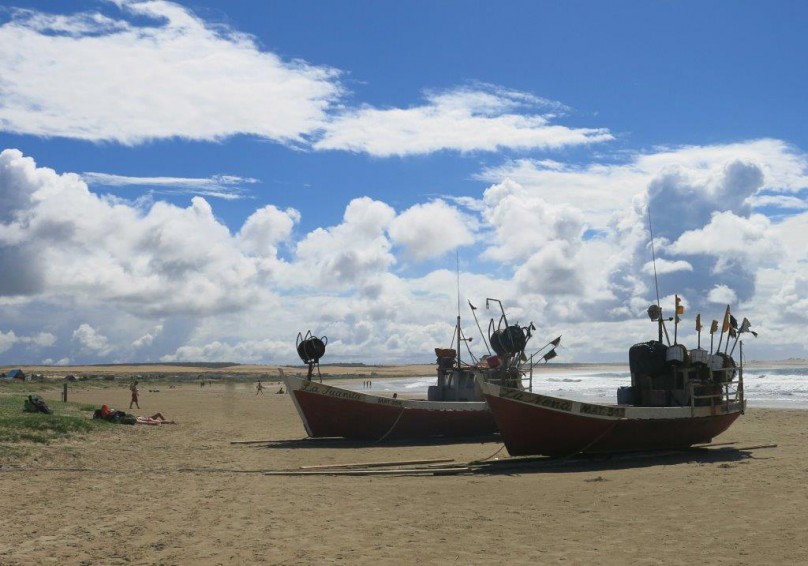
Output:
x=656 y=280
x=457 y=272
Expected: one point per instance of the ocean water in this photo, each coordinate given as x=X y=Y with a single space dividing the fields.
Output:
x=763 y=387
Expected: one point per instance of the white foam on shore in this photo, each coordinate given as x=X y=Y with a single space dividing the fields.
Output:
x=764 y=387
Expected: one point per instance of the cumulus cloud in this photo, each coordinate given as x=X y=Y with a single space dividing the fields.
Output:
x=7 y=340
x=265 y=229
x=523 y=222
x=148 y=339
x=604 y=188
x=722 y=294
x=552 y=270
x=481 y=118
x=729 y=237
x=430 y=230
x=150 y=280
x=152 y=70
x=350 y=253
x=62 y=239
x=90 y=340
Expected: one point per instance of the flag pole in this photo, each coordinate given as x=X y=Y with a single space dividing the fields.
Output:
x=675 y=319
x=733 y=329
x=724 y=327
x=554 y=342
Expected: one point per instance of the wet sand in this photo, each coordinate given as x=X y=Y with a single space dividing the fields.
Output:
x=183 y=494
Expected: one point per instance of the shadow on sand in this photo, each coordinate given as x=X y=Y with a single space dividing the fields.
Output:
x=725 y=457
x=345 y=443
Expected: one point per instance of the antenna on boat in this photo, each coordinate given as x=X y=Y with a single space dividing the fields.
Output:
x=458 y=330
x=653 y=254
x=474 y=314
x=658 y=311
x=457 y=271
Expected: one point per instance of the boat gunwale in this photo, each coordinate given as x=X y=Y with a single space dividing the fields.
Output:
x=609 y=412
x=295 y=384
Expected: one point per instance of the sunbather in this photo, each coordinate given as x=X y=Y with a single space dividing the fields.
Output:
x=155 y=419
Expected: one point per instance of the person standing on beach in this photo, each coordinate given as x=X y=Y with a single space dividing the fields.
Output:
x=259 y=388
x=133 y=389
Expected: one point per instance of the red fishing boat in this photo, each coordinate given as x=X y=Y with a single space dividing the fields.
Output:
x=328 y=411
x=676 y=399
x=454 y=407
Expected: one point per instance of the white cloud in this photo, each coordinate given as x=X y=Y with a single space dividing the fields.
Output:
x=61 y=238
x=552 y=270
x=265 y=229
x=483 y=118
x=523 y=222
x=217 y=351
x=722 y=294
x=778 y=201
x=664 y=266
x=10 y=338
x=351 y=253
x=731 y=238
x=146 y=281
x=153 y=70
x=91 y=340
x=227 y=187
x=7 y=340
x=602 y=189
x=430 y=230
x=148 y=339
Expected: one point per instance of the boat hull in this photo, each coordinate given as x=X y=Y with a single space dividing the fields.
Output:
x=552 y=426
x=328 y=411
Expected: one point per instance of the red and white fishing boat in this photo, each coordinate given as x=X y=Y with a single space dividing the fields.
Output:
x=454 y=407
x=329 y=411
x=676 y=399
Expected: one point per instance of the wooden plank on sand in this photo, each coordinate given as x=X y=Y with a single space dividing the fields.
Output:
x=363 y=472
x=378 y=464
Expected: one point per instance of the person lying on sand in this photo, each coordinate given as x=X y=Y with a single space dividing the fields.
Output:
x=155 y=419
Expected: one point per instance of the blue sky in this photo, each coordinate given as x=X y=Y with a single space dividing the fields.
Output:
x=202 y=180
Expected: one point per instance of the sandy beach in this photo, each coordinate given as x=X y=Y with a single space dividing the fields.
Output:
x=183 y=494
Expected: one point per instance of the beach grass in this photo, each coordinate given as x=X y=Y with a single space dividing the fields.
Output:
x=16 y=426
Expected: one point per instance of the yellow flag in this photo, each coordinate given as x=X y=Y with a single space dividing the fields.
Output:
x=679 y=308
x=725 y=326
x=714 y=327
x=698 y=322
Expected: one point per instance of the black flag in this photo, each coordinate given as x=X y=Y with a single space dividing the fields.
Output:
x=556 y=342
x=549 y=355
x=472 y=306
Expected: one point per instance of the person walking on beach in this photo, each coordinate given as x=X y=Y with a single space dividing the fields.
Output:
x=133 y=389
x=259 y=388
